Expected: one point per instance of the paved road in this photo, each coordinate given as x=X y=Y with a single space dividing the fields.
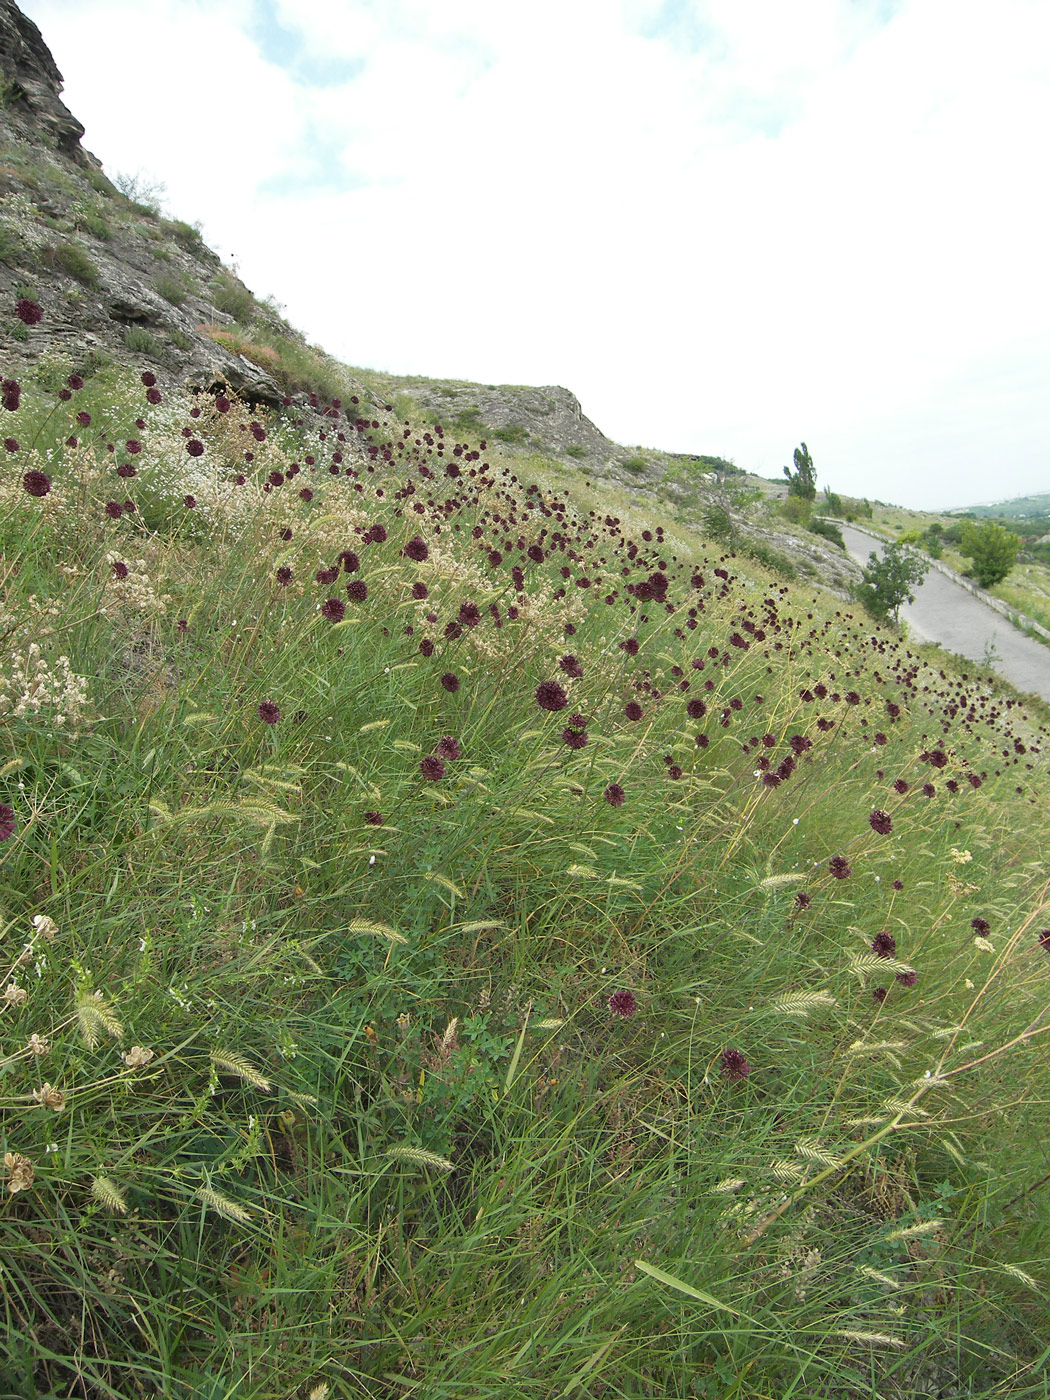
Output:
x=949 y=614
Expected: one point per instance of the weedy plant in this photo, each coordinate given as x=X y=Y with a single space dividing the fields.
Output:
x=459 y=944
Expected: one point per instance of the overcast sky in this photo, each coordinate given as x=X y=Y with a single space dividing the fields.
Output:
x=726 y=225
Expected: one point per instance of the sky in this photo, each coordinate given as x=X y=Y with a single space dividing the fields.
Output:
x=727 y=226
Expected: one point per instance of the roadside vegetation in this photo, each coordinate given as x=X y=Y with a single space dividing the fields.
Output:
x=460 y=941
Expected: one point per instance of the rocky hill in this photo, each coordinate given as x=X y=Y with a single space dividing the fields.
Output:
x=117 y=281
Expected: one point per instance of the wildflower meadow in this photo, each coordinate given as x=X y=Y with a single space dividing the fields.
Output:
x=464 y=938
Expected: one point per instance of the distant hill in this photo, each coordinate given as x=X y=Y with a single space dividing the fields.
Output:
x=1017 y=508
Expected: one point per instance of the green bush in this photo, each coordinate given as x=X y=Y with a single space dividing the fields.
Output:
x=233 y=297
x=773 y=559
x=11 y=246
x=796 y=509
x=828 y=531
x=180 y=340
x=74 y=259
x=576 y=450
x=172 y=289
x=89 y=219
x=512 y=433
x=140 y=341
x=992 y=549
x=636 y=465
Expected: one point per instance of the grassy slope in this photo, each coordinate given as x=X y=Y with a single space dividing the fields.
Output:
x=393 y=1137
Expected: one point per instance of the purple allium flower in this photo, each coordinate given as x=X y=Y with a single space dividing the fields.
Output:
x=673 y=771
x=148 y=378
x=432 y=768
x=284 y=575
x=334 y=609
x=840 y=867
x=879 y=993
x=37 y=483
x=633 y=710
x=120 y=569
x=28 y=312
x=852 y=698
x=182 y=625
x=928 y=790
x=623 y=1003
x=268 y=712
x=734 y=1066
x=373 y=819
x=803 y=900
x=880 y=821
x=84 y=418
x=153 y=396
x=614 y=795
x=884 y=945
x=550 y=696
x=981 y=926
x=417 y=549
x=275 y=478
x=574 y=738
x=326 y=576
x=1044 y=939
x=907 y=979
x=798 y=744
x=126 y=470
x=938 y=758
x=469 y=614
x=696 y=709
x=449 y=681
x=449 y=748
x=11 y=444
x=114 y=510
x=190 y=502
x=7 y=822
x=420 y=592
x=195 y=448
x=75 y=382
x=357 y=590
x=349 y=561
x=630 y=646
x=377 y=534
x=10 y=394
x=571 y=666
x=900 y=786
x=222 y=403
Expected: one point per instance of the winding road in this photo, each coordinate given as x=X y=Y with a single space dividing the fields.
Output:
x=947 y=613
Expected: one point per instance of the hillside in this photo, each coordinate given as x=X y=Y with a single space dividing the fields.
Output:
x=466 y=932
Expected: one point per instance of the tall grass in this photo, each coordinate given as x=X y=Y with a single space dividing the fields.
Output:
x=462 y=945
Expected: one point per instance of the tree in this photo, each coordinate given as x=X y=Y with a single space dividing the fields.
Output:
x=803 y=480
x=992 y=548
x=888 y=583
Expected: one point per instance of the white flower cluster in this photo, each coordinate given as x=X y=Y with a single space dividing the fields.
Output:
x=20 y=215
x=30 y=686
x=135 y=593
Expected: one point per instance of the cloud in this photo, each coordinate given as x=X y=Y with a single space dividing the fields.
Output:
x=725 y=224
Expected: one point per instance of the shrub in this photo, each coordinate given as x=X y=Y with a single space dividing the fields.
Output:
x=140 y=341
x=74 y=259
x=636 y=465
x=888 y=583
x=11 y=246
x=828 y=531
x=172 y=289
x=992 y=549
x=233 y=297
x=187 y=236
x=576 y=450
x=796 y=509
x=776 y=562
x=180 y=340
x=512 y=433
x=89 y=218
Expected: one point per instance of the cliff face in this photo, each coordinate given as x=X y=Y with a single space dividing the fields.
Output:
x=33 y=85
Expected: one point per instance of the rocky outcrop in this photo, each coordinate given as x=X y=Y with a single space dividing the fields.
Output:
x=32 y=85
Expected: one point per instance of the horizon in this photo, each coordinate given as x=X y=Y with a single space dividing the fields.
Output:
x=468 y=158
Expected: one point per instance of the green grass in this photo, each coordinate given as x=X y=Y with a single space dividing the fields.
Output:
x=390 y=1134
x=74 y=259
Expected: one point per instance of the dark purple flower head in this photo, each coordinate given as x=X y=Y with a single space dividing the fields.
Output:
x=928 y=790
x=614 y=795
x=373 y=818
x=571 y=666
x=633 y=710
x=574 y=738
x=10 y=394
x=37 y=483
x=333 y=609
x=417 y=549
x=981 y=926
x=268 y=712
x=880 y=821
x=1044 y=939
x=114 y=510
x=432 y=768
x=7 y=822
x=623 y=1003
x=120 y=569
x=284 y=575
x=357 y=590
x=450 y=681
x=195 y=448
x=28 y=312
x=803 y=900
x=190 y=502
x=550 y=696
x=149 y=378
x=449 y=748
x=884 y=945
x=798 y=744
x=907 y=979
x=75 y=382
x=840 y=867
x=696 y=709
x=734 y=1066
x=900 y=786
x=153 y=396
x=879 y=993
x=84 y=418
